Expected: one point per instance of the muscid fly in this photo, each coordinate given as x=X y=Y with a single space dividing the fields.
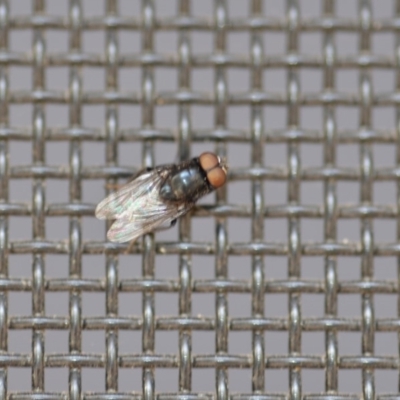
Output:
x=159 y=196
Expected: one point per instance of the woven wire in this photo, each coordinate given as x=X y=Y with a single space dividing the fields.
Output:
x=258 y=24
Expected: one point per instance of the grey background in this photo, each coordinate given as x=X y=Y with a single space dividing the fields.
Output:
x=203 y=228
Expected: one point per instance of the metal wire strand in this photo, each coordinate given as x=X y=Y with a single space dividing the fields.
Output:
x=260 y=26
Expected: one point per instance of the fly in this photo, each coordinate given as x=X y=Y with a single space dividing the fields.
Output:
x=159 y=196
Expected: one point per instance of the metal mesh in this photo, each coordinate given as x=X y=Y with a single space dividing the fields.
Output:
x=256 y=352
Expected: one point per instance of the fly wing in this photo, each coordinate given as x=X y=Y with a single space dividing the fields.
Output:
x=137 y=208
x=125 y=230
x=129 y=198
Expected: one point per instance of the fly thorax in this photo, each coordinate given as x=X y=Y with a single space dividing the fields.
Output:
x=187 y=184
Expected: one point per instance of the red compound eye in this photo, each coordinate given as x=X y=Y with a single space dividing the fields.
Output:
x=208 y=161
x=216 y=177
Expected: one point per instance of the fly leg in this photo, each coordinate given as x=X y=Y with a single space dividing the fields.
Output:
x=113 y=186
x=132 y=242
x=166 y=225
x=130 y=247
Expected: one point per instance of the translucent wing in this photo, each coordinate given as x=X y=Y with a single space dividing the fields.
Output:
x=137 y=208
x=129 y=198
x=125 y=230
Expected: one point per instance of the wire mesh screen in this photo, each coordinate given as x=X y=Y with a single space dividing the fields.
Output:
x=284 y=283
